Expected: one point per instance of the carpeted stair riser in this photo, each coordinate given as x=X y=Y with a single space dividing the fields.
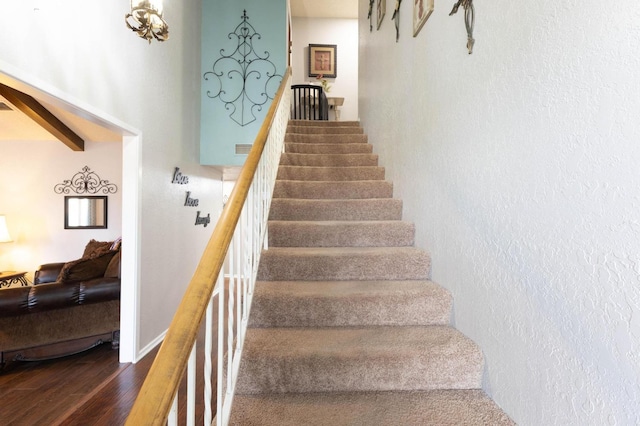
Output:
x=326 y=130
x=330 y=173
x=311 y=123
x=329 y=148
x=369 y=209
x=344 y=264
x=329 y=190
x=410 y=408
x=388 y=233
x=339 y=359
x=345 y=326
x=349 y=304
x=336 y=139
x=329 y=160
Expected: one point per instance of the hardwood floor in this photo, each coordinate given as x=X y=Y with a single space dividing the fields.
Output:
x=90 y=388
x=111 y=404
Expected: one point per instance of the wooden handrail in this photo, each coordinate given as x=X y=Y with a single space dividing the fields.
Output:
x=154 y=401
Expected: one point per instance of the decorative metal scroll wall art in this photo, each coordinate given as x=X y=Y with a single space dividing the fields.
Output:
x=469 y=20
x=382 y=10
x=396 y=18
x=85 y=182
x=255 y=71
x=370 y=15
x=422 y=10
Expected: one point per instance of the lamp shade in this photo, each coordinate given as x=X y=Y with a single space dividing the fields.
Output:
x=4 y=232
x=146 y=20
x=155 y=5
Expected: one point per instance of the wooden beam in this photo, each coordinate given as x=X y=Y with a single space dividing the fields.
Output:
x=41 y=115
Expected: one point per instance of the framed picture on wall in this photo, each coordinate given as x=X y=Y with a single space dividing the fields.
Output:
x=322 y=60
x=381 y=10
x=421 y=11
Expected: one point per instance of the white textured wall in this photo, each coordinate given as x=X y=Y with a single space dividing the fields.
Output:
x=84 y=50
x=520 y=166
x=344 y=34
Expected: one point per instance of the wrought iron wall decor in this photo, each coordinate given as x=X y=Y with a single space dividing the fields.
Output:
x=422 y=9
x=85 y=182
x=396 y=18
x=469 y=20
x=381 y=11
x=256 y=72
x=370 y=15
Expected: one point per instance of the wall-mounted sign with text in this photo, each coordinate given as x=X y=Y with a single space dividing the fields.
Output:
x=180 y=179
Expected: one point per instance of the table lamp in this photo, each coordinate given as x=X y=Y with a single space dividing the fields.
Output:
x=4 y=232
x=7 y=278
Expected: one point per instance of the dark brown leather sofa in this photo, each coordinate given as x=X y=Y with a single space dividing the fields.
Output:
x=56 y=317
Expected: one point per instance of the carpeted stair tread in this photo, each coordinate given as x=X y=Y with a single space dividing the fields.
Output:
x=325 y=130
x=345 y=326
x=349 y=303
x=343 y=264
x=328 y=160
x=409 y=408
x=330 y=173
x=329 y=148
x=323 y=123
x=358 y=359
x=329 y=190
x=357 y=209
x=389 y=233
x=340 y=138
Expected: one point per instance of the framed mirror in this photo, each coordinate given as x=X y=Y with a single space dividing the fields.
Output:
x=88 y=212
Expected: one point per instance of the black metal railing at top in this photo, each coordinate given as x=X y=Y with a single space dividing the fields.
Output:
x=309 y=102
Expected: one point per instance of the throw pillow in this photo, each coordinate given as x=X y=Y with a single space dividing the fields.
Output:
x=96 y=248
x=113 y=269
x=85 y=268
x=116 y=244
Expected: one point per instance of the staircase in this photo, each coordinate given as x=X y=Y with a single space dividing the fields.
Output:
x=345 y=327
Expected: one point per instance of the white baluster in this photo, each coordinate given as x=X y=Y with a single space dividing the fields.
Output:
x=172 y=419
x=208 y=348
x=191 y=387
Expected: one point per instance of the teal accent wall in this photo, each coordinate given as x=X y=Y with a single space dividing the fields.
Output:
x=233 y=58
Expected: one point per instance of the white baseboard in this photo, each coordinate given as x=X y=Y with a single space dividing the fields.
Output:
x=151 y=346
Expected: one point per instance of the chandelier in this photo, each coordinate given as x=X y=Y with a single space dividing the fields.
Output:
x=146 y=20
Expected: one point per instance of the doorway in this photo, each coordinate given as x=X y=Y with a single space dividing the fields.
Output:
x=99 y=126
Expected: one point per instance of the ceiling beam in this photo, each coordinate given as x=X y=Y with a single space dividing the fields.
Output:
x=41 y=115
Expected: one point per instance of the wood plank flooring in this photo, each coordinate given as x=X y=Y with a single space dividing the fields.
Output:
x=90 y=388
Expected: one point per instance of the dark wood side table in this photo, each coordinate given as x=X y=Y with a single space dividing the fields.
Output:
x=7 y=278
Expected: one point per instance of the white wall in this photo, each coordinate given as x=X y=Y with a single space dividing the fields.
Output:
x=84 y=52
x=519 y=164
x=344 y=34
x=35 y=213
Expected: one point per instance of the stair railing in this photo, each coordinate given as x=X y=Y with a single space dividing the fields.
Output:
x=239 y=236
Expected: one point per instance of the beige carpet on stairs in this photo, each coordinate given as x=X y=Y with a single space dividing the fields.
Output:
x=346 y=328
